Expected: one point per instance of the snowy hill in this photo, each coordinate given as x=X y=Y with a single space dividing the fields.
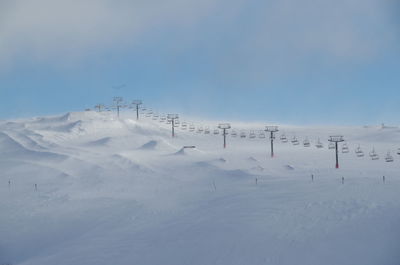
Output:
x=89 y=188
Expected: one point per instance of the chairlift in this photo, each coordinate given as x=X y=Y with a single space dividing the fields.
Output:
x=200 y=129
x=283 y=138
x=234 y=133
x=398 y=151
x=345 y=148
x=373 y=155
x=359 y=152
x=306 y=143
x=191 y=128
x=331 y=145
x=207 y=130
x=242 y=134
x=389 y=157
x=216 y=131
x=252 y=135
x=149 y=113
x=295 y=141
x=319 y=144
x=261 y=135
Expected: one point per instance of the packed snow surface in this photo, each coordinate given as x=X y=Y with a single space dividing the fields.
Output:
x=89 y=188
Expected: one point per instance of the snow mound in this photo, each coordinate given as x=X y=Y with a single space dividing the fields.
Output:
x=150 y=145
x=288 y=167
x=252 y=159
x=15 y=150
x=100 y=142
x=180 y=152
x=257 y=168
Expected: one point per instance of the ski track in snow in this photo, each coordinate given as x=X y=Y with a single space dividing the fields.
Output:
x=118 y=191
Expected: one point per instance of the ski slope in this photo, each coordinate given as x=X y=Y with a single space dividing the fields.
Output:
x=121 y=191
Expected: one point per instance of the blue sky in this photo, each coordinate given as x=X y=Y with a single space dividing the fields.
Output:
x=289 y=61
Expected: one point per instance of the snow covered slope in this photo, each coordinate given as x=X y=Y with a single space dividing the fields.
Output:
x=88 y=188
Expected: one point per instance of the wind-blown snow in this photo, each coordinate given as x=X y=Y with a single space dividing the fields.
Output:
x=121 y=191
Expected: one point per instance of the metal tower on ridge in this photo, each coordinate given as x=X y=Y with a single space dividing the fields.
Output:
x=272 y=130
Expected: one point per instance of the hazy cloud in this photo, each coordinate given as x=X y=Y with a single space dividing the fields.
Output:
x=248 y=30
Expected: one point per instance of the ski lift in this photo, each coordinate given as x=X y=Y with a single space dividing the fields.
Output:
x=207 y=130
x=234 y=133
x=389 y=157
x=331 y=145
x=261 y=135
x=398 y=151
x=295 y=141
x=359 y=152
x=319 y=144
x=216 y=131
x=200 y=129
x=345 y=148
x=191 y=128
x=155 y=116
x=242 y=134
x=283 y=138
x=149 y=113
x=176 y=123
x=252 y=135
x=184 y=126
x=373 y=155
x=306 y=143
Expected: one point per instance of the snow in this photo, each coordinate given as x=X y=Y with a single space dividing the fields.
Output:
x=121 y=191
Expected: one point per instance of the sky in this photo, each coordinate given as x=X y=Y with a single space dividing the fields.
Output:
x=283 y=61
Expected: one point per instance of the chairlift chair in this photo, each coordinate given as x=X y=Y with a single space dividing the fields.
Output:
x=242 y=134
x=295 y=141
x=216 y=131
x=306 y=143
x=234 y=133
x=359 y=152
x=398 y=151
x=191 y=128
x=319 y=144
x=373 y=155
x=331 y=145
x=389 y=157
x=261 y=135
x=252 y=135
x=207 y=130
x=200 y=129
x=345 y=148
